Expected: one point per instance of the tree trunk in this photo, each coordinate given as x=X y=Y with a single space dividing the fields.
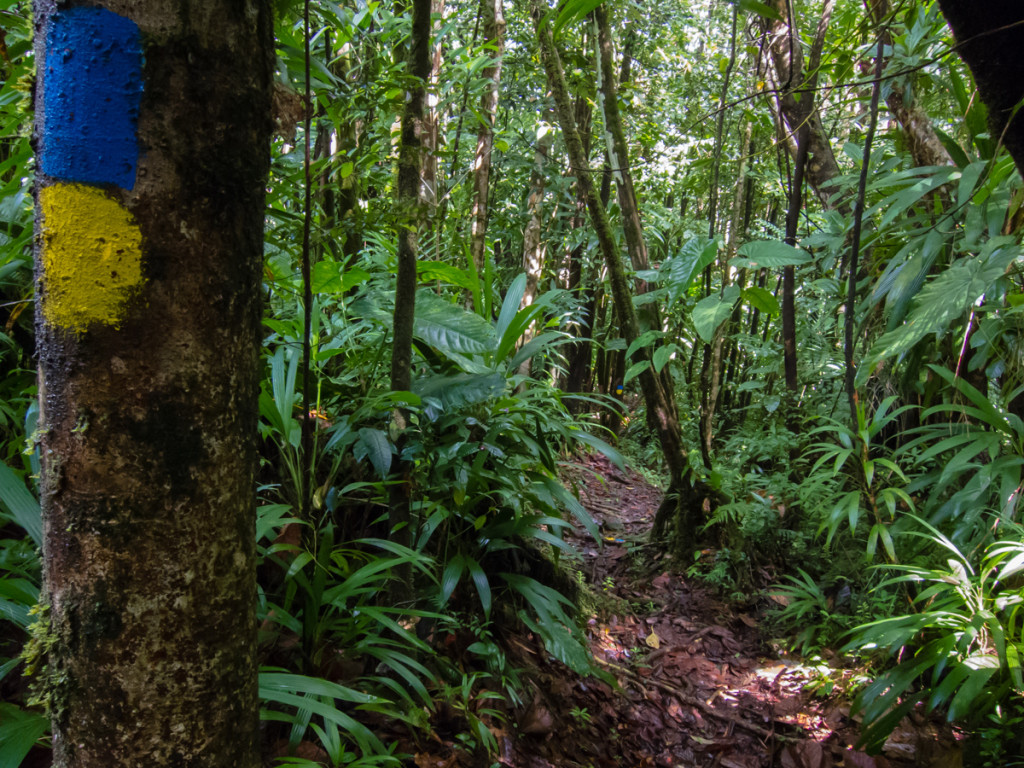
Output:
x=687 y=496
x=989 y=38
x=153 y=138
x=797 y=105
x=411 y=211
x=492 y=13
x=922 y=141
x=796 y=194
x=618 y=160
x=533 y=246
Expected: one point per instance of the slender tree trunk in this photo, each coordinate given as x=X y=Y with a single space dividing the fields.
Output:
x=588 y=286
x=411 y=211
x=687 y=497
x=149 y=259
x=618 y=160
x=429 y=180
x=710 y=373
x=797 y=104
x=858 y=219
x=493 y=17
x=534 y=248
x=796 y=195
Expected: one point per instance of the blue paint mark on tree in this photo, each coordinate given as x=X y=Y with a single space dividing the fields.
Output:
x=92 y=88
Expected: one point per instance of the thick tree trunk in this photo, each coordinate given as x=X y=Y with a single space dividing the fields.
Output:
x=687 y=496
x=493 y=17
x=153 y=139
x=989 y=38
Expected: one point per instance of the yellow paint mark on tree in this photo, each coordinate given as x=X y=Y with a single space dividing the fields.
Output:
x=92 y=257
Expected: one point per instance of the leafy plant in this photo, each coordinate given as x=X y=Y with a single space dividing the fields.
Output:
x=961 y=651
x=877 y=497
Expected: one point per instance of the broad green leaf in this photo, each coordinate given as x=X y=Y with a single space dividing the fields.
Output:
x=377 y=448
x=643 y=340
x=510 y=306
x=761 y=9
x=19 y=731
x=635 y=370
x=662 y=355
x=679 y=272
x=762 y=299
x=430 y=270
x=449 y=328
x=714 y=310
x=771 y=254
x=939 y=303
x=968 y=181
x=573 y=11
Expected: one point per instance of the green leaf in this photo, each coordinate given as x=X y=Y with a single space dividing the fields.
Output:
x=573 y=11
x=450 y=329
x=759 y=8
x=762 y=299
x=645 y=339
x=635 y=370
x=510 y=306
x=939 y=303
x=771 y=254
x=713 y=311
x=679 y=272
x=20 y=504
x=662 y=355
x=430 y=270
x=377 y=448
x=19 y=731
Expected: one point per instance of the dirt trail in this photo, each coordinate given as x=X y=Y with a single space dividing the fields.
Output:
x=698 y=687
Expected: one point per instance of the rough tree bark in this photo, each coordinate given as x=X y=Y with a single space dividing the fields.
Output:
x=493 y=18
x=687 y=496
x=989 y=38
x=153 y=139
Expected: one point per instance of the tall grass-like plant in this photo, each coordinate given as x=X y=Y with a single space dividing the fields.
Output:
x=875 y=494
x=961 y=651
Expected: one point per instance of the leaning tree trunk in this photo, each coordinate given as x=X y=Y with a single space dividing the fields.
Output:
x=687 y=496
x=493 y=17
x=618 y=160
x=989 y=38
x=153 y=137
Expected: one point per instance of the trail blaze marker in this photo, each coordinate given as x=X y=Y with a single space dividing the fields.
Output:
x=92 y=88
x=92 y=256
x=91 y=93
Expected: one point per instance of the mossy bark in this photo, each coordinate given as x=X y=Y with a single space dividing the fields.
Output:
x=149 y=425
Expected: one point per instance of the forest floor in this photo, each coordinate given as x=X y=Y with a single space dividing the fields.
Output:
x=698 y=685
